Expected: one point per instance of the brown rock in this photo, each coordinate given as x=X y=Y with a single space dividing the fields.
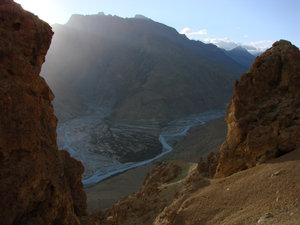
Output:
x=38 y=183
x=143 y=206
x=208 y=168
x=263 y=116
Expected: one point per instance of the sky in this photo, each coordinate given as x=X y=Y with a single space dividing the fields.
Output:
x=254 y=24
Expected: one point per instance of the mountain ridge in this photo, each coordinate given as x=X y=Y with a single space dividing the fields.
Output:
x=129 y=63
x=111 y=23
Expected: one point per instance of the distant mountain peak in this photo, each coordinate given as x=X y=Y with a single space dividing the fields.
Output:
x=101 y=14
x=141 y=17
x=241 y=55
x=239 y=48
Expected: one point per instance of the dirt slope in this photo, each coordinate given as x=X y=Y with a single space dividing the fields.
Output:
x=266 y=194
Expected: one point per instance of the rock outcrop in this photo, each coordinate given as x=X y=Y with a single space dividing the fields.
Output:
x=263 y=117
x=208 y=168
x=38 y=183
x=157 y=192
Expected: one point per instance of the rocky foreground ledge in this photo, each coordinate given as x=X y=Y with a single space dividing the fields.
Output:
x=38 y=183
x=41 y=185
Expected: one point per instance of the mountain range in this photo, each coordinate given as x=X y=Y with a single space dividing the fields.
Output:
x=144 y=70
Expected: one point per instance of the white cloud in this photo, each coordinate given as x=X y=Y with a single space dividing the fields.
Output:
x=260 y=42
x=216 y=40
x=225 y=43
x=253 y=47
x=261 y=45
x=189 y=31
x=248 y=47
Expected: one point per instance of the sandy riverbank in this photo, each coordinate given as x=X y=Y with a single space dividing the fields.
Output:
x=200 y=141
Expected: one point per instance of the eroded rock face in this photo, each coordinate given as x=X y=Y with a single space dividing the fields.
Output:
x=143 y=206
x=38 y=183
x=208 y=168
x=264 y=114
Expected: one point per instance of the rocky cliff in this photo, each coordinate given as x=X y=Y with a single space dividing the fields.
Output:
x=38 y=183
x=263 y=117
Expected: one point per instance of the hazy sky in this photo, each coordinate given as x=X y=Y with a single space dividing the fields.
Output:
x=256 y=23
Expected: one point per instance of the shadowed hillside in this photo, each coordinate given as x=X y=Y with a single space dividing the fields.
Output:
x=144 y=70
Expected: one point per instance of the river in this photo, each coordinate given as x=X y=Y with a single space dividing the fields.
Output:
x=76 y=136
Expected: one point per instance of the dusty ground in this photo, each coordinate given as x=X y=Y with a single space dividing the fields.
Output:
x=266 y=194
x=202 y=140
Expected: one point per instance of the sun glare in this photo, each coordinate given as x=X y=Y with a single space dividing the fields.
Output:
x=43 y=9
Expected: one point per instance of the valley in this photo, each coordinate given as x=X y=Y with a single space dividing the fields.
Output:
x=190 y=148
x=106 y=148
x=127 y=90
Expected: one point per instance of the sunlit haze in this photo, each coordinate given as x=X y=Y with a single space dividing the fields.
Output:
x=226 y=23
